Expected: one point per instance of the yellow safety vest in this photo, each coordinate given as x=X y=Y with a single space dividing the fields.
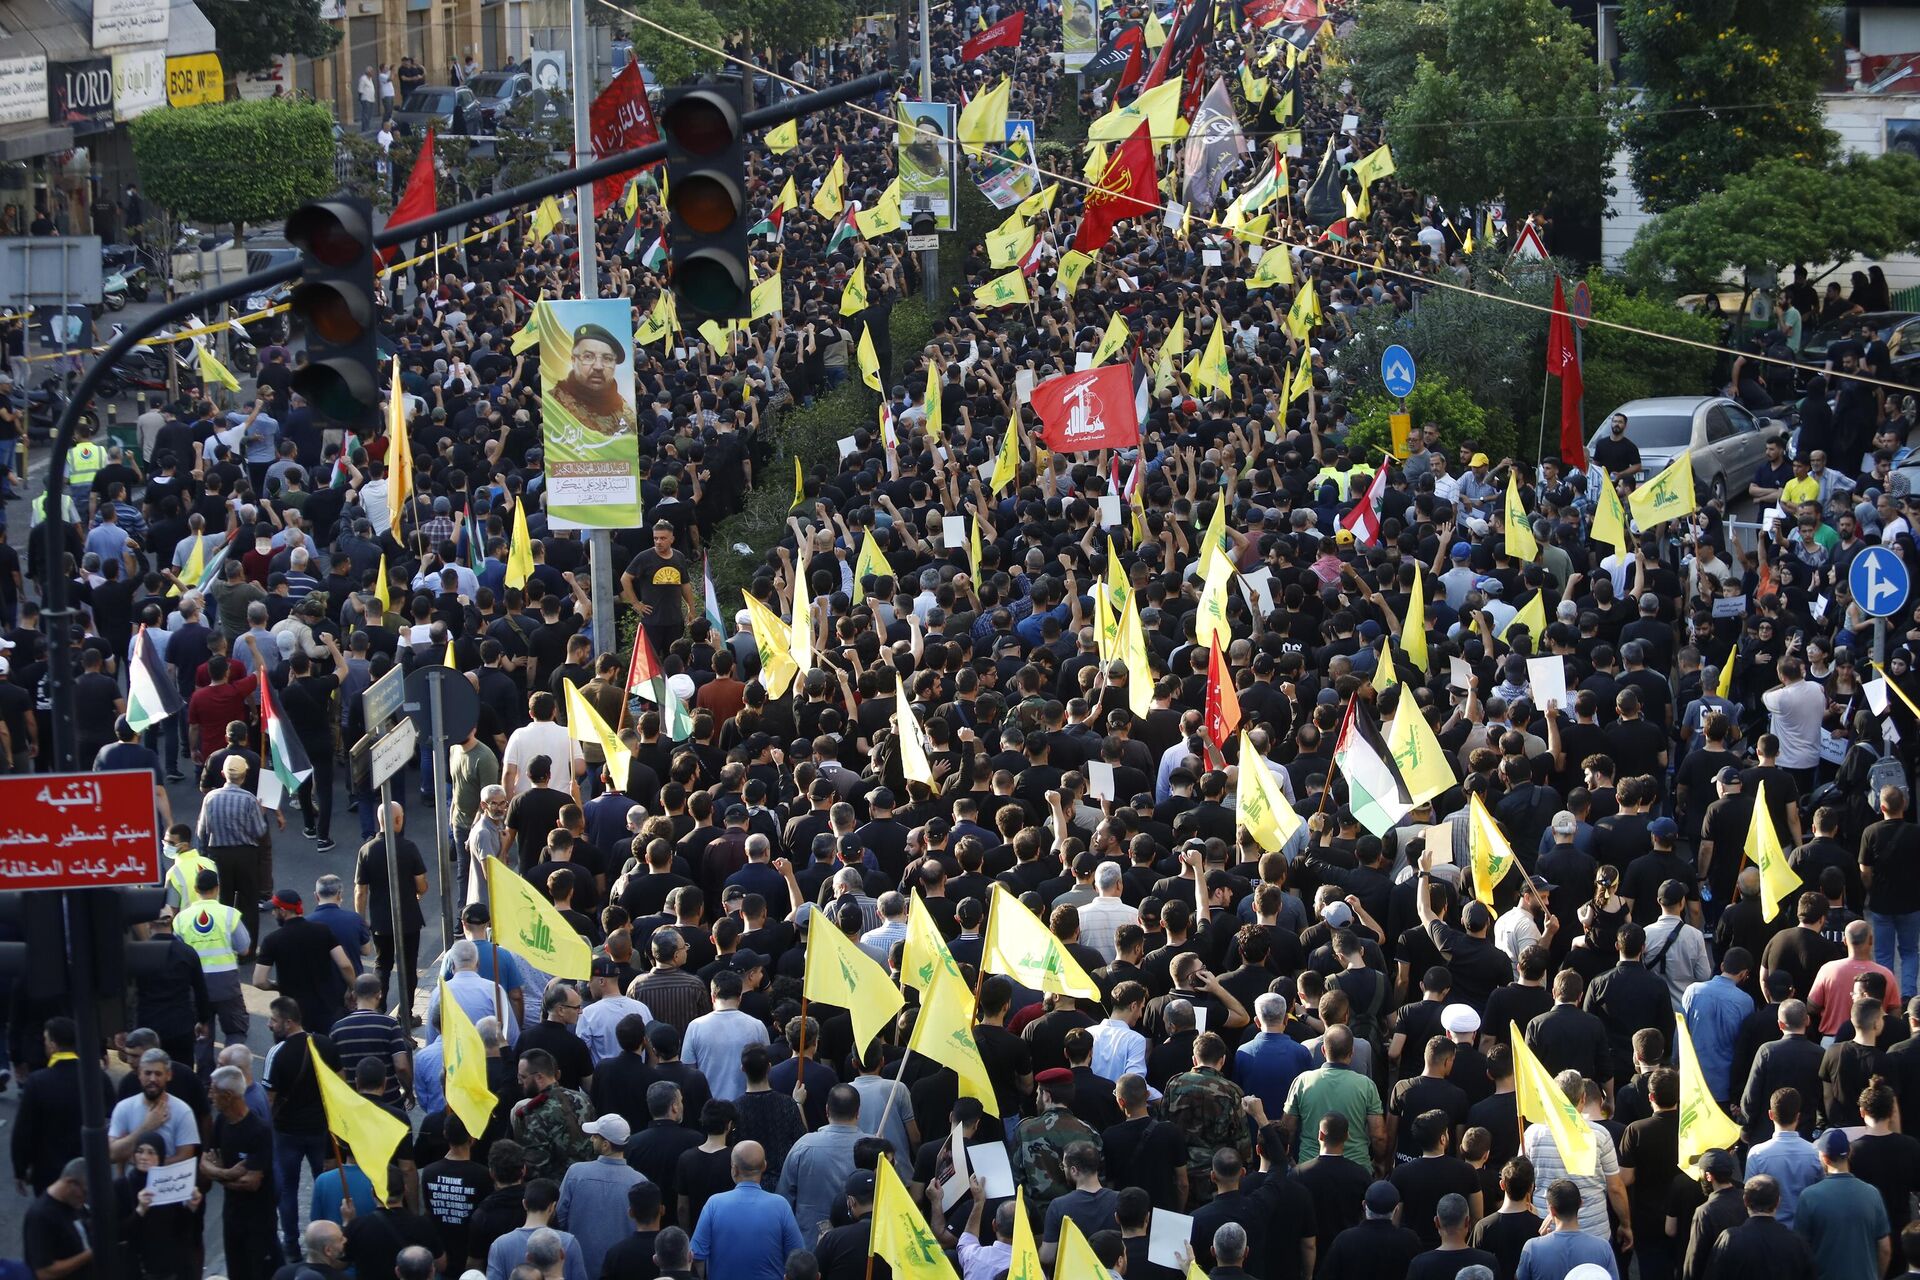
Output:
x=181 y=876
x=84 y=463
x=208 y=927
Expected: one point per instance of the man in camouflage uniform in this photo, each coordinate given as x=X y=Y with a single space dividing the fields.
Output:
x=1206 y=1104
x=1040 y=1143
x=547 y=1121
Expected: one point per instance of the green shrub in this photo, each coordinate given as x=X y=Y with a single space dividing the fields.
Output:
x=1435 y=398
x=235 y=162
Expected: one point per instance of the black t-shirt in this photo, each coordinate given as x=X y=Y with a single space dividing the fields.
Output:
x=53 y=1232
x=375 y=1240
x=659 y=582
x=1891 y=850
x=1651 y=1148
x=532 y=817
x=249 y=1142
x=308 y=701
x=1504 y=1235
x=701 y=1175
x=1439 y=1264
x=1421 y=1184
x=370 y=869
x=451 y=1190
x=301 y=953
x=1413 y=1097
x=93 y=697
x=1890 y=1164
x=1616 y=455
x=1006 y=1058
x=295 y=1089
x=1144 y=1153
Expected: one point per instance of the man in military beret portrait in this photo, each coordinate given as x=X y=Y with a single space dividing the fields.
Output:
x=591 y=389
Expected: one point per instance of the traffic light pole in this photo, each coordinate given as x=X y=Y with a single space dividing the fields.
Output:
x=599 y=541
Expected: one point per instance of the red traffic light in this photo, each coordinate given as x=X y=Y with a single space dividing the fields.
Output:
x=332 y=231
x=701 y=122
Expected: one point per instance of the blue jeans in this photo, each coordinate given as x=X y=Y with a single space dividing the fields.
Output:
x=1904 y=930
x=289 y=1149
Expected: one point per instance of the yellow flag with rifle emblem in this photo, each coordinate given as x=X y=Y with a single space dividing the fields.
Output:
x=1667 y=496
x=771 y=636
x=1521 y=545
x=1609 y=517
x=1006 y=467
x=585 y=724
x=829 y=201
x=869 y=358
x=1073 y=265
x=1416 y=752
x=370 y=1130
x=783 y=138
x=1703 y=1125
x=1261 y=805
x=1543 y=1100
x=1491 y=854
x=1113 y=341
x=839 y=973
x=1374 y=166
x=1215 y=371
x=527 y=924
x=853 y=298
x=914 y=764
x=1009 y=242
x=900 y=1234
x=1413 y=635
x=1020 y=946
x=1003 y=291
x=1275 y=267
x=465 y=1060
x=1778 y=880
x=943 y=1031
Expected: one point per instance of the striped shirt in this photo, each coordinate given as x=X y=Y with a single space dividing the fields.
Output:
x=369 y=1033
x=674 y=995
x=1538 y=1146
x=230 y=818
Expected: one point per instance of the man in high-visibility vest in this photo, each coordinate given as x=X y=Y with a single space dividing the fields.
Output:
x=219 y=937
x=185 y=869
x=84 y=462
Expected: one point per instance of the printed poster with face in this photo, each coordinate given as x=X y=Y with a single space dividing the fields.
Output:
x=927 y=168
x=589 y=423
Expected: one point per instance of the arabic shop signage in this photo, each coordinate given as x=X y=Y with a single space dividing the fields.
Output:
x=78 y=831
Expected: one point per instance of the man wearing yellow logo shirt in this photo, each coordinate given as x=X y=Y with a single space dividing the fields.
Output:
x=1802 y=488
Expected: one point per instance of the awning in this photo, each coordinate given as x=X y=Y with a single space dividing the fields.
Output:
x=188 y=30
x=25 y=141
x=61 y=32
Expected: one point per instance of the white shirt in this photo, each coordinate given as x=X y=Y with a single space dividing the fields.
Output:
x=599 y=1020
x=1100 y=920
x=540 y=738
x=1515 y=931
x=1118 y=1050
x=1797 y=710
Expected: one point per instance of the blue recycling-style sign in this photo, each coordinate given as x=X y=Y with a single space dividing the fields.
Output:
x=1396 y=370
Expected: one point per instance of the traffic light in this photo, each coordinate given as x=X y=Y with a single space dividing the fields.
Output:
x=335 y=301
x=706 y=202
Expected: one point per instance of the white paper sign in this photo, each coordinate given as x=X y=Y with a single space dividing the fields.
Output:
x=846 y=445
x=1169 y=1236
x=1109 y=510
x=1100 y=780
x=1460 y=674
x=956 y=1186
x=1876 y=693
x=1209 y=257
x=1259 y=585
x=1731 y=607
x=1082 y=361
x=1023 y=385
x=1199 y=1019
x=1349 y=122
x=1548 y=679
x=953 y=531
x=171 y=1183
x=1818 y=608
x=1176 y=214
x=990 y=1165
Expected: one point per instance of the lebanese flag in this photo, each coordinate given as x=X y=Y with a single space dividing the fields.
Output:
x=1129 y=188
x=1223 y=704
x=1004 y=34
x=1082 y=412
x=419 y=200
x=1563 y=362
x=1364 y=520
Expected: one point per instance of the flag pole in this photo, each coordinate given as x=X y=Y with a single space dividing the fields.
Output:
x=893 y=1094
x=800 y=1053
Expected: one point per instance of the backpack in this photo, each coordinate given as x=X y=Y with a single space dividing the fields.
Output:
x=1886 y=772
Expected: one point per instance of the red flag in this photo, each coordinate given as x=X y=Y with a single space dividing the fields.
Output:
x=1563 y=362
x=1301 y=11
x=419 y=200
x=1263 y=13
x=1363 y=522
x=619 y=120
x=1195 y=81
x=1164 y=58
x=1131 y=76
x=1223 y=704
x=1004 y=34
x=1081 y=412
x=1129 y=188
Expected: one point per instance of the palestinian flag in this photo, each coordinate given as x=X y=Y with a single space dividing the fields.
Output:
x=286 y=758
x=1376 y=792
x=656 y=255
x=215 y=567
x=843 y=228
x=714 y=619
x=152 y=694
x=770 y=226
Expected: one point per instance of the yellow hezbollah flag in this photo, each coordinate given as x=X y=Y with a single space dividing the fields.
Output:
x=1492 y=855
x=546 y=218
x=1384 y=676
x=1261 y=804
x=765 y=299
x=661 y=321
x=361 y=1123
x=519 y=547
x=973 y=537
x=1006 y=467
x=381 y=590
x=869 y=358
x=1374 y=166
x=1703 y=1125
x=1133 y=650
x=1076 y=1257
x=839 y=973
x=1040 y=201
x=1777 y=879
x=783 y=138
x=1021 y=947
x=1213 y=544
x=1106 y=626
x=1276 y=267
x=1609 y=517
x=1533 y=616
x=944 y=1031
x=931 y=400
x=1158 y=106
x=828 y=200
x=1003 y=291
x=1416 y=752
x=1210 y=622
x=926 y=954
x=526 y=924
x=449 y=662
x=465 y=1060
x=584 y=724
x=1113 y=340
x=770 y=636
x=1668 y=496
x=1214 y=370
x=399 y=449
x=1521 y=545
x=871 y=560
x=799 y=482
x=1073 y=265
x=1413 y=634
x=800 y=626
x=1025 y=1262
x=212 y=371
x=1724 y=687
x=884 y=217
x=853 y=298
x=1009 y=242
x=913 y=744
x=1543 y=1100
x=983 y=121
x=900 y=1234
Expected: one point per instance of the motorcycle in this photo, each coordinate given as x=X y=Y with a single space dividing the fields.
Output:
x=43 y=406
x=113 y=291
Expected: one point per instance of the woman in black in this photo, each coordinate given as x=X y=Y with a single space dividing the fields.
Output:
x=158 y=1240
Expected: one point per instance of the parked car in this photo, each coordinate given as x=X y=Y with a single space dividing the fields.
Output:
x=1814 y=349
x=1728 y=441
x=433 y=104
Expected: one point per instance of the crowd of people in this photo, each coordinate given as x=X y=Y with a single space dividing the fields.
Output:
x=1301 y=1059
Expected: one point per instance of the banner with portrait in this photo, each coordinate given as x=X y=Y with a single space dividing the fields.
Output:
x=1008 y=174
x=927 y=164
x=589 y=422
x=1079 y=33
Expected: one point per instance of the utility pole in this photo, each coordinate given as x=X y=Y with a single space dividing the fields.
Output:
x=930 y=258
x=599 y=541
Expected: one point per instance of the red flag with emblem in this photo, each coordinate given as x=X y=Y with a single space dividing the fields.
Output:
x=1223 y=704
x=1081 y=412
x=1004 y=34
x=1129 y=188
x=1563 y=362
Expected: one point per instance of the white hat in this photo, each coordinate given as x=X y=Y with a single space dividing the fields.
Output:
x=612 y=1127
x=1459 y=1020
x=743 y=620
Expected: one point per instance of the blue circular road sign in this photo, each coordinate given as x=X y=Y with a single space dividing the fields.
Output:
x=1396 y=370
x=1879 y=581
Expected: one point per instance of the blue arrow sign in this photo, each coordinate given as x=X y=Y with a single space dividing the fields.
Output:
x=1879 y=582
x=1396 y=370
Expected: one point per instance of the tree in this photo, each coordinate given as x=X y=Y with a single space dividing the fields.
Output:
x=253 y=34
x=1725 y=85
x=1382 y=52
x=672 y=60
x=1515 y=109
x=1785 y=213
x=235 y=162
x=786 y=26
x=1619 y=366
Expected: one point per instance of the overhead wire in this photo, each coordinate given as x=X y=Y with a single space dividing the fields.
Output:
x=1075 y=180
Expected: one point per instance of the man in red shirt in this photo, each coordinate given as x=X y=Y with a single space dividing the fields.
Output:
x=221 y=701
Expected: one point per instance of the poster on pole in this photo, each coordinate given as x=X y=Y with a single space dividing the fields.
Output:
x=1079 y=33
x=589 y=426
x=1007 y=174
x=928 y=171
